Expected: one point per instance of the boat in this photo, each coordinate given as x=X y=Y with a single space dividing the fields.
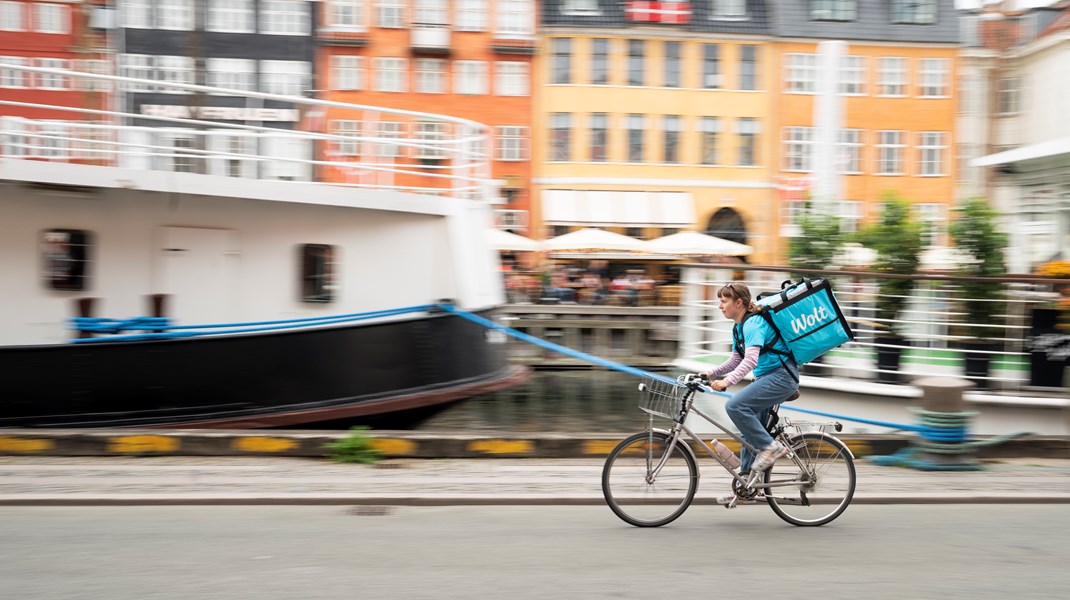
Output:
x=122 y=252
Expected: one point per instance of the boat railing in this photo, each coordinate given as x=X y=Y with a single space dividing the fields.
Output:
x=934 y=336
x=168 y=126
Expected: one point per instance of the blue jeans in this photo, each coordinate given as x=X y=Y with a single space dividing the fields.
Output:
x=749 y=409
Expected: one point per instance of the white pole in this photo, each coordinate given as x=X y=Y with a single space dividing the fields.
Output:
x=828 y=121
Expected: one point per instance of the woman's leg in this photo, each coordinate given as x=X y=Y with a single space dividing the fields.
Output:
x=750 y=407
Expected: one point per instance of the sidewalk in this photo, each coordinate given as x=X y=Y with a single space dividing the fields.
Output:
x=55 y=481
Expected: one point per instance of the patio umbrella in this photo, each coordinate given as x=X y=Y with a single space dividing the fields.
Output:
x=943 y=258
x=504 y=240
x=593 y=240
x=853 y=254
x=693 y=243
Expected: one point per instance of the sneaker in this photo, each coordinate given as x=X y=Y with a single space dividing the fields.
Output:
x=730 y=500
x=767 y=457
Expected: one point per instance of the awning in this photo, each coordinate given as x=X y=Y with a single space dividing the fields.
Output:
x=617 y=209
x=1048 y=149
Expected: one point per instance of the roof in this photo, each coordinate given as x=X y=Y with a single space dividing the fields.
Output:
x=1048 y=149
x=873 y=22
x=613 y=14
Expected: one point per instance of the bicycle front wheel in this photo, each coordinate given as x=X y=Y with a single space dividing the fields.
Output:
x=638 y=491
x=816 y=485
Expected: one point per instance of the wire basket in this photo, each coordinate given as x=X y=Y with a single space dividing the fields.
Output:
x=661 y=398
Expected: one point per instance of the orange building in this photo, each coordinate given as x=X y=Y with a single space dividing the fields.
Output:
x=462 y=58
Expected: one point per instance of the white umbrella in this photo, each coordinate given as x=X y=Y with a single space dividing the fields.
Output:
x=853 y=254
x=503 y=240
x=693 y=243
x=591 y=240
x=944 y=258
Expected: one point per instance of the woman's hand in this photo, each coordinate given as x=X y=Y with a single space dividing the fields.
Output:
x=720 y=385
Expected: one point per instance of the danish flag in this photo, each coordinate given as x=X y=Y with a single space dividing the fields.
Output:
x=659 y=12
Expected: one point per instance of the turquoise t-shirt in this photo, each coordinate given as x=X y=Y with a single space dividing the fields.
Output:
x=757 y=332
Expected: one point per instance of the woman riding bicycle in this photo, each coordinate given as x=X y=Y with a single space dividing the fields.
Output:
x=755 y=346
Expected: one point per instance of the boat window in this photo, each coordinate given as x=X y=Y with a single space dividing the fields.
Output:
x=317 y=273
x=66 y=254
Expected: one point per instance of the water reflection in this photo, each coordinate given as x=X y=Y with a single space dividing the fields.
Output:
x=559 y=401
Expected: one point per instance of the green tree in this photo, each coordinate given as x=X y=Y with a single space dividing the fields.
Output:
x=818 y=243
x=973 y=229
x=897 y=238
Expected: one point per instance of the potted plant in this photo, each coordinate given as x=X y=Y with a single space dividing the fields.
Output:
x=973 y=230
x=897 y=239
x=813 y=249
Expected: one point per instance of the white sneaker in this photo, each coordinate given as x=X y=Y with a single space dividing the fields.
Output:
x=767 y=457
x=730 y=500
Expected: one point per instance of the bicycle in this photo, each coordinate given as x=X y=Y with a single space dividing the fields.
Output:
x=650 y=478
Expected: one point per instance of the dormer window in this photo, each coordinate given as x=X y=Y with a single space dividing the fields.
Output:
x=914 y=12
x=833 y=10
x=729 y=10
x=580 y=7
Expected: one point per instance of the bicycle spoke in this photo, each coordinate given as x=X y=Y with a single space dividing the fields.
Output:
x=824 y=476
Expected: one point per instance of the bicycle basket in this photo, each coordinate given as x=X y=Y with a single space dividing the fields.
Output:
x=660 y=398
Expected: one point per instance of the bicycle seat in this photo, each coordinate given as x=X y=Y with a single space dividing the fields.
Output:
x=794 y=396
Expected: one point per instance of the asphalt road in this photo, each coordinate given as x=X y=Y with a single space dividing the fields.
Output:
x=312 y=552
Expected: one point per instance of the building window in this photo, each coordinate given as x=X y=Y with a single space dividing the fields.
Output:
x=833 y=10
x=390 y=74
x=286 y=77
x=137 y=66
x=932 y=146
x=636 y=125
x=52 y=18
x=932 y=217
x=66 y=258
x=560 y=136
x=711 y=66
x=346 y=128
x=512 y=78
x=748 y=67
x=174 y=69
x=232 y=73
x=933 y=75
x=515 y=19
x=800 y=72
x=347 y=73
x=562 y=60
x=892 y=76
x=798 y=148
x=853 y=76
x=728 y=10
x=317 y=272
x=748 y=129
x=49 y=81
x=850 y=213
x=470 y=77
x=914 y=12
x=12 y=17
x=137 y=14
x=599 y=61
x=431 y=134
x=174 y=15
x=670 y=147
x=890 y=147
x=1009 y=95
x=231 y=16
x=430 y=76
x=599 y=131
x=283 y=17
x=580 y=7
x=346 y=15
x=14 y=78
x=710 y=131
x=472 y=15
x=672 y=64
x=636 y=58
x=849 y=151
x=390 y=14
x=512 y=143
x=431 y=12
x=386 y=131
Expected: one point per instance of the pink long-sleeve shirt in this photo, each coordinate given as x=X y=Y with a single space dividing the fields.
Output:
x=735 y=368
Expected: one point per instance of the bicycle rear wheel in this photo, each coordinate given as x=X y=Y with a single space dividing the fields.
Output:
x=640 y=496
x=817 y=485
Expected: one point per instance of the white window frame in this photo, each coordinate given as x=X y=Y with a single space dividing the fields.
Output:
x=389 y=130
x=347 y=128
x=833 y=10
x=932 y=152
x=96 y=66
x=512 y=78
x=914 y=12
x=48 y=81
x=850 y=214
x=13 y=78
x=288 y=157
x=892 y=72
x=798 y=149
x=670 y=125
x=471 y=15
x=560 y=145
x=286 y=77
x=50 y=147
x=347 y=72
x=390 y=14
x=598 y=137
x=389 y=74
x=891 y=147
x=512 y=143
x=174 y=15
x=430 y=131
x=581 y=8
x=849 y=147
x=749 y=128
x=1009 y=96
x=12 y=16
x=514 y=19
x=728 y=10
x=284 y=17
x=800 y=73
x=431 y=12
x=137 y=14
x=232 y=73
x=346 y=15
x=710 y=129
x=51 y=18
x=853 y=76
x=933 y=76
x=174 y=69
x=430 y=76
x=137 y=66
x=932 y=216
x=231 y=16
x=470 y=77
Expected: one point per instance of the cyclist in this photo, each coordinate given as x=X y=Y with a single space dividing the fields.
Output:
x=757 y=346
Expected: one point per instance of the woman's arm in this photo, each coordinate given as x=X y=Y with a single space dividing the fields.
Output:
x=744 y=366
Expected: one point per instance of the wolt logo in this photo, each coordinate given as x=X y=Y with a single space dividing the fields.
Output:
x=804 y=322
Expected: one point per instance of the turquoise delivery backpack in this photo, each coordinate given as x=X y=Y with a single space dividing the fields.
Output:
x=807 y=317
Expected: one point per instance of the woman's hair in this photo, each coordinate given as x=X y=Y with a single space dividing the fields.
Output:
x=738 y=291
